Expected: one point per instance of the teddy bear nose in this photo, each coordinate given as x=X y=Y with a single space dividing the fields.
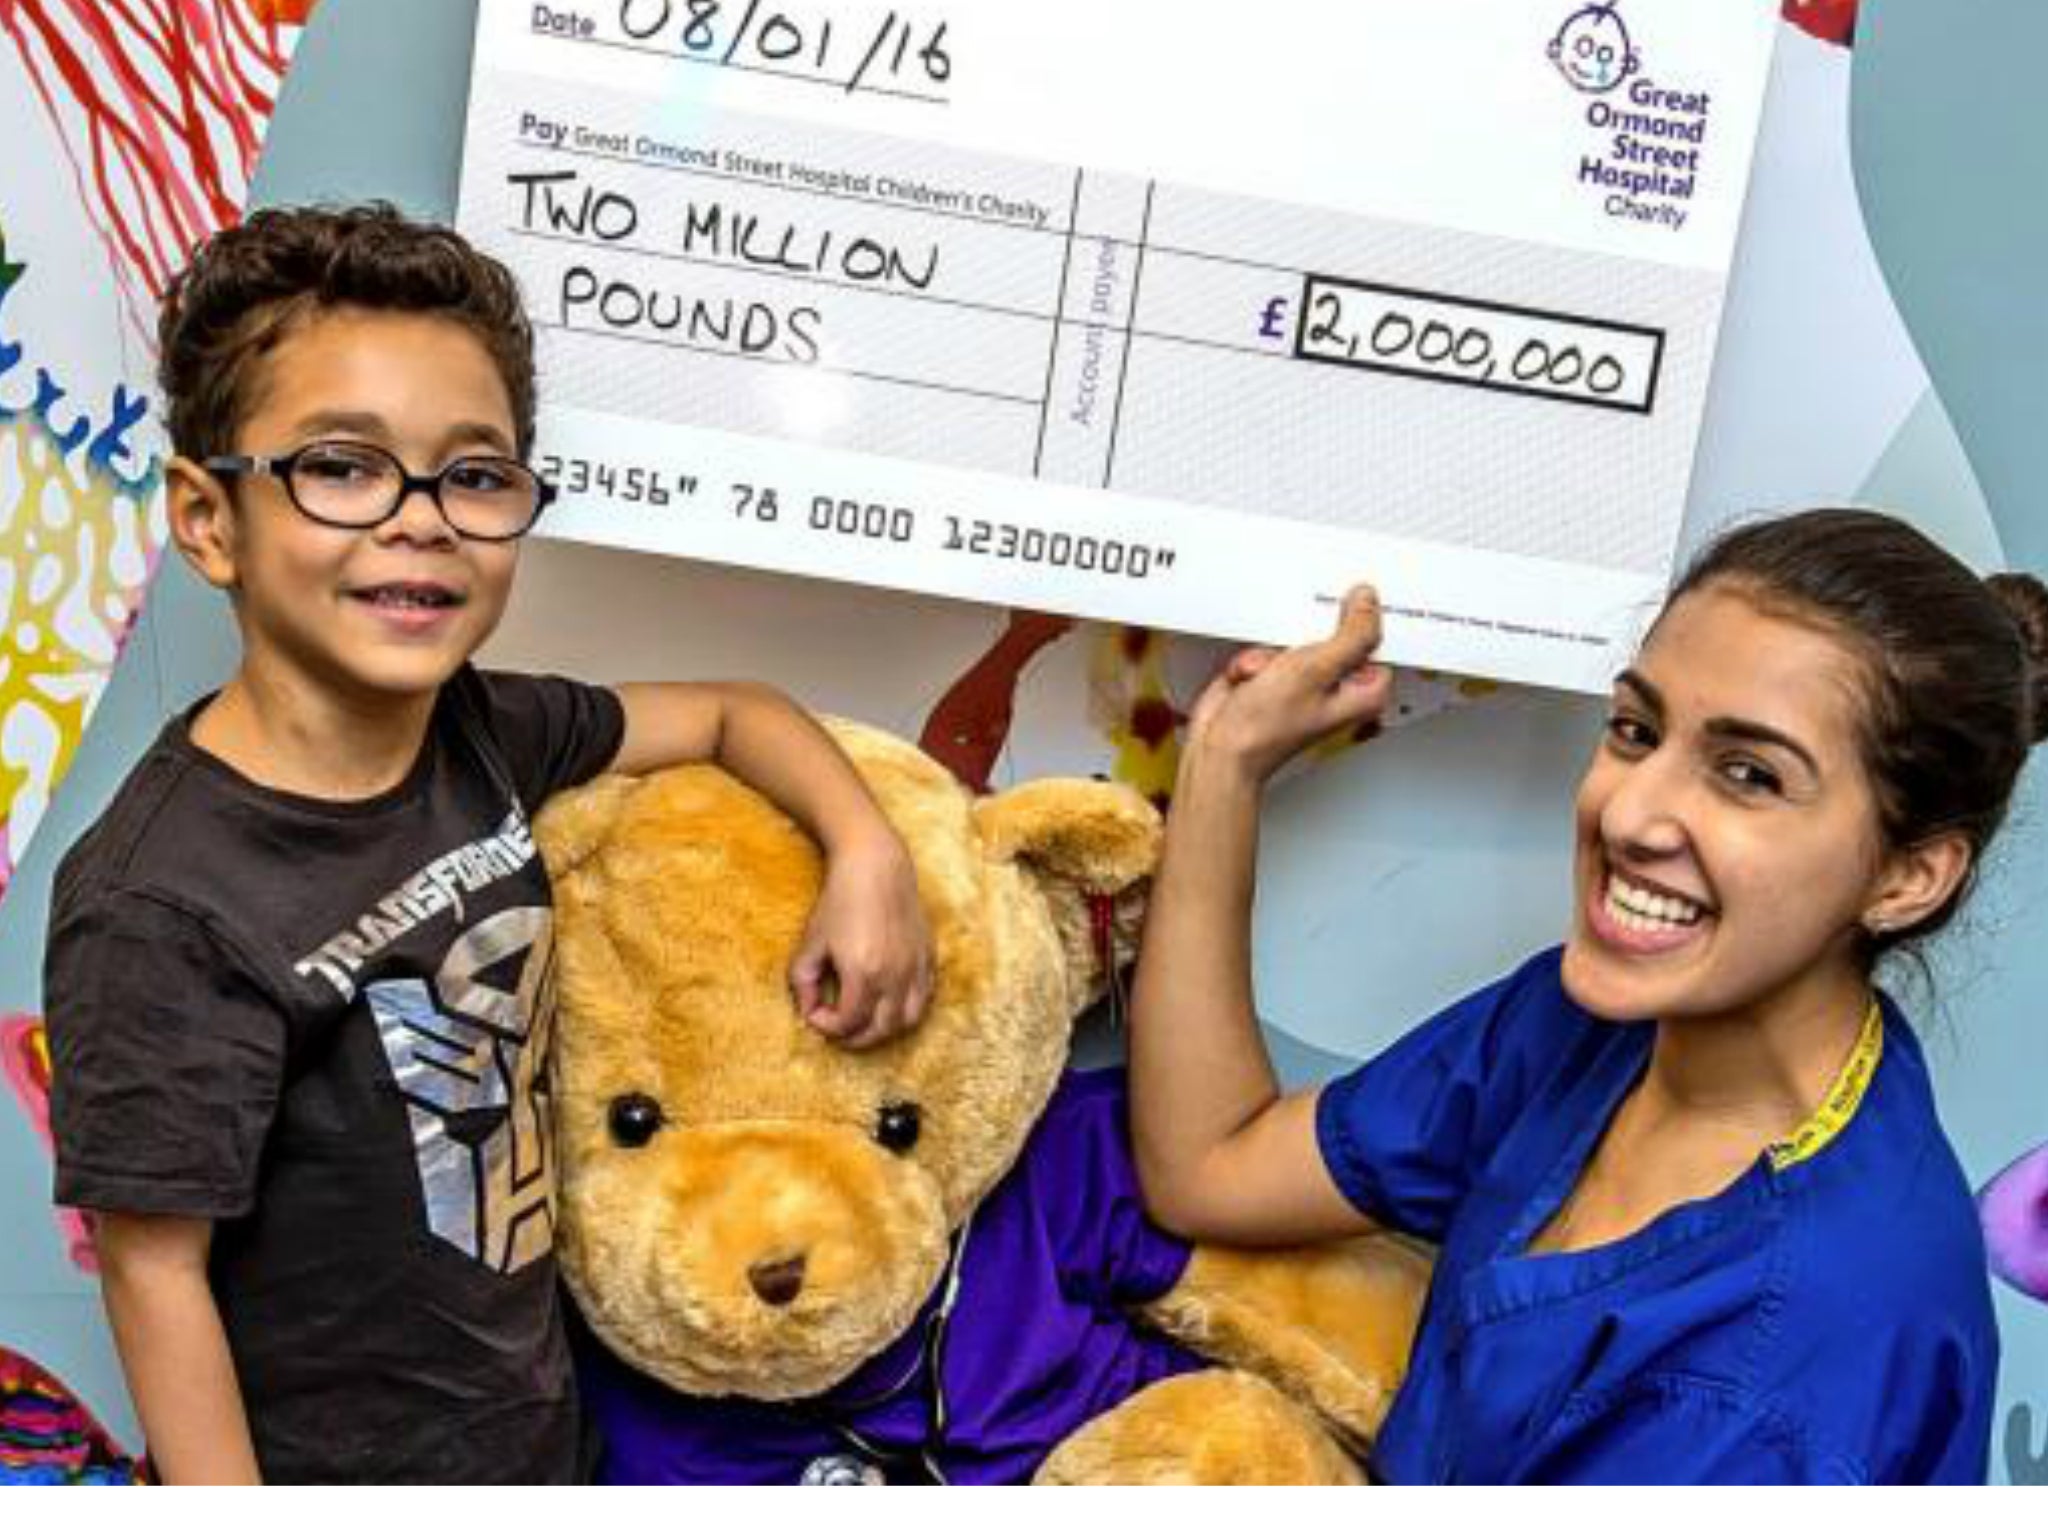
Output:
x=777 y=1282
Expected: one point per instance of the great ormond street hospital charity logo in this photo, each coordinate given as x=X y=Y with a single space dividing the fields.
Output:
x=1592 y=50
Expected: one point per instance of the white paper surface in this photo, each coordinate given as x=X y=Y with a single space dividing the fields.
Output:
x=1182 y=314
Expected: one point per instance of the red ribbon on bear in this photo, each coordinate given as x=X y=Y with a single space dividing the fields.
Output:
x=1102 y=929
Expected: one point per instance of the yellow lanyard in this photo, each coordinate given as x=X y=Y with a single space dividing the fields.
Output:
x=1838 y=1108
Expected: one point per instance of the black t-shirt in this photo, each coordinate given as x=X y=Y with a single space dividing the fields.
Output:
x=323 y=1026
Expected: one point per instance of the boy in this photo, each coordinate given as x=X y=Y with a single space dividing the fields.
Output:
x=298 y=976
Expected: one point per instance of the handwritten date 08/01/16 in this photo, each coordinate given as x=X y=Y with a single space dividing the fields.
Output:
x=749 y=34
x=851 y=517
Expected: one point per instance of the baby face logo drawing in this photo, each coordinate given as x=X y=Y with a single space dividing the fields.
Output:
x=1592 y=50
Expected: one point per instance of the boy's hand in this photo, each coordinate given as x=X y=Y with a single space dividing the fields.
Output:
x=863 y=973
x=1267 y=705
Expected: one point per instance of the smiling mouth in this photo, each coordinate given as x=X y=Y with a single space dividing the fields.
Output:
x=1640 y=909
x=408 y=596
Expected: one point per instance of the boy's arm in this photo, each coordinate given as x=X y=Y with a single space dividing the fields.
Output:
x=863 y=971
x=760 y=736
x=173 y=1349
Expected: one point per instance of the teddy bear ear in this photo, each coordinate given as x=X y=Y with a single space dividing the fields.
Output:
x=1091 y=848
x=1101 y=838
x=573 y=825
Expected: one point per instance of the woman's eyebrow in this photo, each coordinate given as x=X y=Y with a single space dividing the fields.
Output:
x=1730 y=726
x=1642 y=688
x=1763 y=735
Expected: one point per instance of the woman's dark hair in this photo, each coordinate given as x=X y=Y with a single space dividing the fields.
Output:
x=250 y=286
x=1955 y=667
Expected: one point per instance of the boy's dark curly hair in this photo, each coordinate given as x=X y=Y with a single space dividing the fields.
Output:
x=250 y=286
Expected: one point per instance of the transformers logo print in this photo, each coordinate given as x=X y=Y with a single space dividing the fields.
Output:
x=468 y=1056
x=440 y=886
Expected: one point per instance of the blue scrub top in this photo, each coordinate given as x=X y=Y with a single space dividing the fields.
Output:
x=1827 y=1322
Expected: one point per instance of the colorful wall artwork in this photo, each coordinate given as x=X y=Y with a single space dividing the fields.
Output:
x=80 y=528
x=47 y=1436
x=25 y=1064
x=156 y=110
x=2014 y=1205
x=129 y=130
x=159 y=107
x=132 y=128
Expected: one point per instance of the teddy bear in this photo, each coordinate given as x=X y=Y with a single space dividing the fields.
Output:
x=927 y=1261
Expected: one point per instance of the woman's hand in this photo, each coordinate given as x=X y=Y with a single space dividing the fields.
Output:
x=1267 y=704
x=863 y=973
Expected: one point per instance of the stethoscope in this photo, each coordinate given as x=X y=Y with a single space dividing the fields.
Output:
x=868 y=1463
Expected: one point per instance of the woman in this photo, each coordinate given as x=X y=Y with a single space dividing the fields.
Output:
x=1698 y=1219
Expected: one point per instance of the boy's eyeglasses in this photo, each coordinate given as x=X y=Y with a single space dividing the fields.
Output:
x=359 y=485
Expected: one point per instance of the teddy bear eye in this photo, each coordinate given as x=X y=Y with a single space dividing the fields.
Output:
x=634 y=1119
x=897 y=1127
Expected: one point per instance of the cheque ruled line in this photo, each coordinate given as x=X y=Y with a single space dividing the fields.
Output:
x=653 y=253
x=1059 y=314
x=1063 y=322
x=753 y=69
x=1173 y=339
x=790 y=362
x=1489 y=386
x=1070 y=230
x=1123 y=373
x=780 y=186
x=1060 y=321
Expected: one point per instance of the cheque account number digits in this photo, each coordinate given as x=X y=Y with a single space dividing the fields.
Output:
x=990 y=538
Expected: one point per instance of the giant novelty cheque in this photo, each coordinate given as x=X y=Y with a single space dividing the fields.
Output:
x=1184 y=314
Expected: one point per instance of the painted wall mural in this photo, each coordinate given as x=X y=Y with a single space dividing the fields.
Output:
x=2025 y=1466
x=2014 y=1206
x=159 y=106
x=25 y=1064
x=157 y=109
x=47 y=1436
x=80 y=527
x=132 y=128
x=129 y=130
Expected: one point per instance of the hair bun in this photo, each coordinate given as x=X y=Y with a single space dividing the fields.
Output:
x=2025 y=602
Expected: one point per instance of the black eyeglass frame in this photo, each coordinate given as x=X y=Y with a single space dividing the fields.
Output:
x=280 y=466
